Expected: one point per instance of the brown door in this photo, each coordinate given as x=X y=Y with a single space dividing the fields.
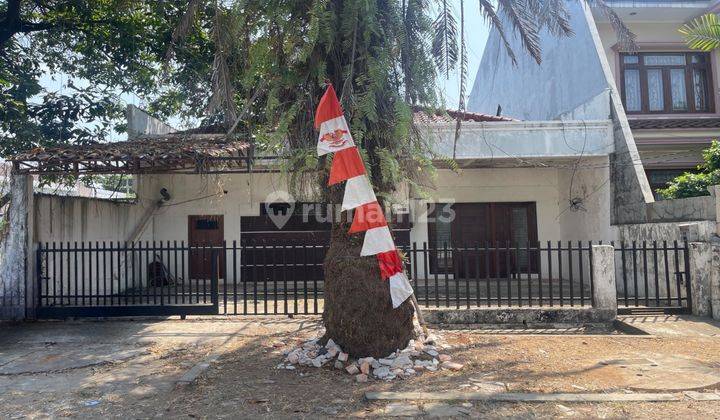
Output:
x=205 y=232
x=493 y=225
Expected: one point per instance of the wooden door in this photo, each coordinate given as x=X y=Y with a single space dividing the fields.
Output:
x=206 y=231
x=498 y=226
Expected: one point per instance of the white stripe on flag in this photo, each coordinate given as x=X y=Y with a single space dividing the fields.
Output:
x=334 y=135
x=377 y=240
x=400 y=289
x=358 y=191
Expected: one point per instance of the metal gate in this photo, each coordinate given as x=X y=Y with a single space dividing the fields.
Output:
x=653 y=277
x=138 y=279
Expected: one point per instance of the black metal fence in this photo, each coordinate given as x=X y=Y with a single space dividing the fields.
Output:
x=157 y=278
x=653 y=275
x=164 y=278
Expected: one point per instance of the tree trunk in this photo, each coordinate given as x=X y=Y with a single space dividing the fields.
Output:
x=358 y=312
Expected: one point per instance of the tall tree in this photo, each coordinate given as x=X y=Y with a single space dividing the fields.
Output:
x=266 y=64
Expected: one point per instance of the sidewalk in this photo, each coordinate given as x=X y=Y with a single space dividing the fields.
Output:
x=130 y=369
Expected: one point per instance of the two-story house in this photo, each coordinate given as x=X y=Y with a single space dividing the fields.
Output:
x=662 y=94
x=669 y=92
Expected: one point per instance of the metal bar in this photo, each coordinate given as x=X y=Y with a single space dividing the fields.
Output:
x=447 y=282
x=667 y=273
x=581 y=273
x=550 y=276
x=624 y=271
x=265 y=280
x=255 y=278
x=127 y=279
x=284 y=277
x=518 y=274
x=488 y=293
x=688 y=274
x=560 y=273
x=97 y=272
x=477 y=275
x=656 y=274
x=645 y=274
x=457 y=264
x=496 y=249
x=182 y=270
x=223 y=259
x=54 y=274
x=508 y=272
x=466 y=278
x=570 y=274
x=528 y=269
x=76 y=290
x=305 y=278
x=82 y=271
x=437 y=270
x=540 y=274
x=678 y=278
x=635 y=273
x=235 y=293
x=112 y=271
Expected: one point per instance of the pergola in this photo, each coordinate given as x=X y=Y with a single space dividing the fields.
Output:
x=182 y=152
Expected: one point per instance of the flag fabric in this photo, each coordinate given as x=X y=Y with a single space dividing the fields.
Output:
x=366 y=217
x=377 y=240
x=334 y=132
x=400 y=289
x=347 y=165
x=390 y=263
x=358 y=191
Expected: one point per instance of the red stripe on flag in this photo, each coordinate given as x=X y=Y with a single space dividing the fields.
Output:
x=368 y=216
x=346 y=164
x=390 y=263
x=328 y=108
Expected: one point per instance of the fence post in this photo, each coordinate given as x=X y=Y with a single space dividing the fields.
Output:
x=603 y=270
x=700 y=277
x=715 y=281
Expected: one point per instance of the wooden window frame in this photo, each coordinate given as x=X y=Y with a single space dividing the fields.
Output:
x=490 y=220
x=665 y=71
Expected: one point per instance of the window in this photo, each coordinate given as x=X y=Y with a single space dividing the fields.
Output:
x=666 y=83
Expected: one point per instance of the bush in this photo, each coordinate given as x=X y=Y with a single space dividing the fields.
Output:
x=696 y=184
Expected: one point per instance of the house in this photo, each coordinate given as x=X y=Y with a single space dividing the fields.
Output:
x=668 y=93
x=213 y=227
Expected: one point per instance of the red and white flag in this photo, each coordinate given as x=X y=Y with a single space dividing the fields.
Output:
x=347 y=165
x=334 y=131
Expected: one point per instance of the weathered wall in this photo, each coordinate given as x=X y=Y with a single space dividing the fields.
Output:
x=13 y=250
x=570 y=76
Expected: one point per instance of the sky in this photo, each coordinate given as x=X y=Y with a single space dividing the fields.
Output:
x=476 y=34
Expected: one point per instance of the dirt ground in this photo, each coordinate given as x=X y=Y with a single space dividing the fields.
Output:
x=245 y=383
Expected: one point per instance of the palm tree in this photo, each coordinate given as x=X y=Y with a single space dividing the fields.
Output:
x=383 y=57
x=702 y=33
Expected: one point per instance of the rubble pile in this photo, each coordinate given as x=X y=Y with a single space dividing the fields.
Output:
x=423 y=354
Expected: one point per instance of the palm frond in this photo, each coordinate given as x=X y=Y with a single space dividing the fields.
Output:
x=702 y=33
x=626 y=38
x=552 y=15
x=444 y=44
x=183 y=28
x=525 y=25
x=488 y=11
